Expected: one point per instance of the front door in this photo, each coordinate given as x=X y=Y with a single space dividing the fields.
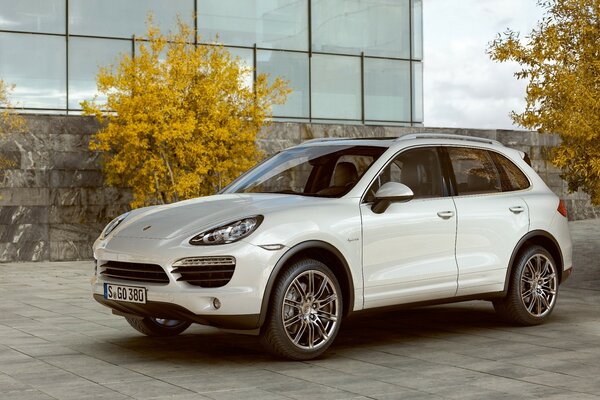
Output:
x=409 y=250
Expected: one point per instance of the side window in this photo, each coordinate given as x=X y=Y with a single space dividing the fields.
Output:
x=474 y=171
x=512 y=176
x=419 y=169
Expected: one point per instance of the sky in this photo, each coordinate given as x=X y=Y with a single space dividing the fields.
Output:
x=463 y=87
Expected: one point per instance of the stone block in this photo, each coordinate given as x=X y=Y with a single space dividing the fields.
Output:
x=24 y=196
x=12 y=158
x=21 y=233
x=27 y=251
x=67 y=196
x=88 y=214
x=517 y=138
x=76 y=179
x=19 y=178
x=281 y=131
x=23 y=215
x=65 y=251
x=76 y=160
x=75 y=232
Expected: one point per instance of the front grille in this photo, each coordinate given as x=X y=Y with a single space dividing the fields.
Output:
x=207 y=272
x=138 y=272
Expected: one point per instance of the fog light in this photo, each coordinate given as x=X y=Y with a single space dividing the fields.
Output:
x=216 y=303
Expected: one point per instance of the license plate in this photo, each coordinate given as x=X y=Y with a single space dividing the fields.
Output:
x=130 y=294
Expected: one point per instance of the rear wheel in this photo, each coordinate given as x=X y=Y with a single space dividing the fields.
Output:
x=533 y=288
x=305 y=312
x=158 y=327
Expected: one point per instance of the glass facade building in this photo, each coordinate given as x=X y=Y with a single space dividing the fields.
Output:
x=347 y=61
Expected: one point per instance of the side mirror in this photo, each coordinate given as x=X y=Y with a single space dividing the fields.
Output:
x=389 y=193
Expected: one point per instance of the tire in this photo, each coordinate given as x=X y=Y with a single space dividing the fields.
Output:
x=533 y=288
x=303 y=318
x=158 y=327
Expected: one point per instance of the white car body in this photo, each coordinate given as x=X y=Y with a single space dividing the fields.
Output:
x=426 y=250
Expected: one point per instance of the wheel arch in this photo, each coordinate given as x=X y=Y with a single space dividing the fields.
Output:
x=540 y=238
x=321 y=251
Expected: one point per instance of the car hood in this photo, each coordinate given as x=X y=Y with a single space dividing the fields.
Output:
x=193 y=216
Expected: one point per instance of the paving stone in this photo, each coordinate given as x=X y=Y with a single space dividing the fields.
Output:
x=57 y=343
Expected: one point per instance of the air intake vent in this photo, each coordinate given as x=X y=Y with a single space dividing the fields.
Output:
x=151 y=273
x=208 y=272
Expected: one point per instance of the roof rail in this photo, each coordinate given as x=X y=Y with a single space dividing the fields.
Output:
x=450 y=137
x=327 y=139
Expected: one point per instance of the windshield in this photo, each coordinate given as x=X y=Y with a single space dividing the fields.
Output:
x=324 y=171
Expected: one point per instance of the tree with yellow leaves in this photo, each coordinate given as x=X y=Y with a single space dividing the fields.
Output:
x=180 y=121
x=561 y=61
x=9 y=120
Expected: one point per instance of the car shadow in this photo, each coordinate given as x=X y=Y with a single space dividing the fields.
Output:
x=202 y=345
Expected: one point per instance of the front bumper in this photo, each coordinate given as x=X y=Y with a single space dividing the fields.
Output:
x=158 y=309
x=240 y=299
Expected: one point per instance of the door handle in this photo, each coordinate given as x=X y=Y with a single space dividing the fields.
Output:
x=445 y=214
x=517 y=209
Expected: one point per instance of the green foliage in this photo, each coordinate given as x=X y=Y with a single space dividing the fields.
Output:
x=560 y=59
x=183 y=122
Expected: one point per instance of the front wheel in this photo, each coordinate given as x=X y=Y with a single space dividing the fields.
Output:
x=305 y=313
x=158 y=327
x=533 y=288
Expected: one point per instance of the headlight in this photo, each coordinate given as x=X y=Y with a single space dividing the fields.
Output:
x=113 y=224
x=228 y=233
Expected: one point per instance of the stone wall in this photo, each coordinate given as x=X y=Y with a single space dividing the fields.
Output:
x=53 y=203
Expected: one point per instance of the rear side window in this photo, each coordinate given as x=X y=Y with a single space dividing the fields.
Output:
x=511 y=176
x=474 y=170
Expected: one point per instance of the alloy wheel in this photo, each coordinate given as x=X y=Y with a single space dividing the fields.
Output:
x=311 y=310
x=538 y=287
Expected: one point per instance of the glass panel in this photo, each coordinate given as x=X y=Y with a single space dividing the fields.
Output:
x=86 y=55
x=120 y=18
x=417 y=29
x=308 y=171
x=46 y=16
x=417 y=87
x=377 y=27
x=336 y=87
x=277 y=24
x=474 y=171
x=246 y=57
x=292 y=67
x=36 y=65
x=387 y=90
x=512 y=178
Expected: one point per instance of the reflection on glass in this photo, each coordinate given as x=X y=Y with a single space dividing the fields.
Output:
x=292 y=67
x=37 y=67
x=417 y=27
x=246 y=57
x=277 y=24
x=46 y=16
x=124 y=18
x=86 y=55
x=335 y=87
x=387 y=90
x=377 y=27
x=417 y=91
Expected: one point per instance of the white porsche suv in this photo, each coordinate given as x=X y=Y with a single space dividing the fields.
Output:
x=335 y=226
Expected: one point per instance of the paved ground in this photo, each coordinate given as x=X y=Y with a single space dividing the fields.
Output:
x=57 y=343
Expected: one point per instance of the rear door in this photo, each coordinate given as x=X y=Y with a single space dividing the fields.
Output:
x=491 y=219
